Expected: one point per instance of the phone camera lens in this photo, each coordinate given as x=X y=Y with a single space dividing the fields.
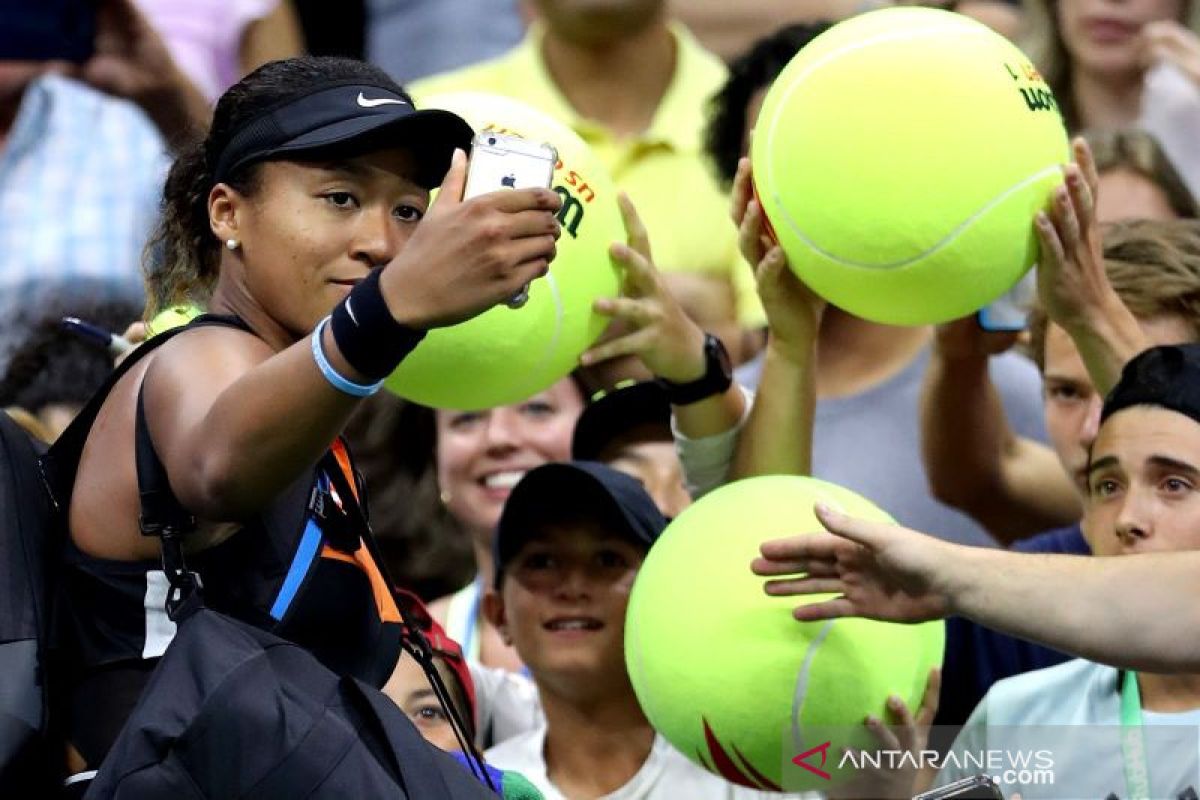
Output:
x=491 y=140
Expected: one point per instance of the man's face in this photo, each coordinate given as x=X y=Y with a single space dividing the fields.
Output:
x=598 y=22
x=1072 y=404
x=563 y=605
x=1144 y=483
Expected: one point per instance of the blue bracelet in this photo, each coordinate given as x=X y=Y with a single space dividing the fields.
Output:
x=336 y=380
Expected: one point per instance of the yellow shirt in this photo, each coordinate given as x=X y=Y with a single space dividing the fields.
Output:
x=664 y=170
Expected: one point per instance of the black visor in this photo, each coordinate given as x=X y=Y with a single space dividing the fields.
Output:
x=348 y=119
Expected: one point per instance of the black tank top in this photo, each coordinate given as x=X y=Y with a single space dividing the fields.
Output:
x=305 y=568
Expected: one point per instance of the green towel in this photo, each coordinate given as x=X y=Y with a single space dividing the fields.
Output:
x=517 y=787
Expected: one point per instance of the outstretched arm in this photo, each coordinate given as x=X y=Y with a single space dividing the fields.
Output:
x=1137 y=611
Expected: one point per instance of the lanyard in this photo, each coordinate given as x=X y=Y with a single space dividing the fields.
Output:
x=1133 y=743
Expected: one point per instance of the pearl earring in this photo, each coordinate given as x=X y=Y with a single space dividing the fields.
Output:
x=444 y=497
x=232 y=244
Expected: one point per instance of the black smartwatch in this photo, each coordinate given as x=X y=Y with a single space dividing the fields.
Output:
x=717 y=377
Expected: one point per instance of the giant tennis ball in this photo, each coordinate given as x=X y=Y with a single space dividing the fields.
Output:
x=725 y=672
x=505 y=355
x=900 y=158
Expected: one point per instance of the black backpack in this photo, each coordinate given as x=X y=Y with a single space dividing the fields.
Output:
x=25 y=523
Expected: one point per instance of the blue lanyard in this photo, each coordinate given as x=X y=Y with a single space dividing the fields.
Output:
x=1133 y=743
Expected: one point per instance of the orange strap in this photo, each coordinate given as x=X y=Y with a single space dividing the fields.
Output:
x=384 y=602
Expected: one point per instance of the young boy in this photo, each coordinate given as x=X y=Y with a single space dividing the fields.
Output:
x=568 y=547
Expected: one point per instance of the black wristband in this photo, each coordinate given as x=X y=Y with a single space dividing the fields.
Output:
x=367 y=335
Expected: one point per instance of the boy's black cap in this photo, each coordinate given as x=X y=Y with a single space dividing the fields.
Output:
x=344 y=117
x=618 y=413
x=572 y=487
x=1166 y=376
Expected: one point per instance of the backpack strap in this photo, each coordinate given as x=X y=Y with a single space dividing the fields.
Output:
x=165 y=517
x=413 y=641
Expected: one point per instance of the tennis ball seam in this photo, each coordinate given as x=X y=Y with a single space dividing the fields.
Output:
x=800 y=693
x=946 y=241
x=552 y=347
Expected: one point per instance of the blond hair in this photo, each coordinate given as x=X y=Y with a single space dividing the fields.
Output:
x=1153 y=265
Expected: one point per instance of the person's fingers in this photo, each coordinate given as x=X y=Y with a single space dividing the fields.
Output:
x=513 y=201
x=455 y=180
x=640 y=278
x=635 y=230
x=865 y=532
x=814 y=546
x=521 y=224
x=930 y=700
x=1087 y=166
x=628 y=309
x=829 y=609
x=1052 y=246
x=743 y=191
x=813 y=568
x=136 y=332
x=633 y=343
x=750 y=234
x=530 y=248
x=884 y=735
x=1065 y=221
x=900 y=721
x=1082 y=202
x=772 y=266
x=792 y=586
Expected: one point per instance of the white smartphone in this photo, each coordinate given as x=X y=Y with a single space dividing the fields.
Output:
x=1010 y=311
x=501 y=162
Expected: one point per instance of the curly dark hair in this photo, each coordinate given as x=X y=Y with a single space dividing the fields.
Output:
x=749 y=72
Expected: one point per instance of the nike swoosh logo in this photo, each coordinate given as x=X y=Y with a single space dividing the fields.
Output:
x=350 y=311
x=372 y=102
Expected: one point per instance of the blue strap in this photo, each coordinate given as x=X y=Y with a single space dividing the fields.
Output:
x=310 y=544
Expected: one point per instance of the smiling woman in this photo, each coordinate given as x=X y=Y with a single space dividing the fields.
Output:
x=303 y=223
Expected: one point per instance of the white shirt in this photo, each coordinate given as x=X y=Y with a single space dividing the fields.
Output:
x=666 y=775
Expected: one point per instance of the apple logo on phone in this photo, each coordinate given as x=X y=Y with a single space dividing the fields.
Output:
x=509 y=180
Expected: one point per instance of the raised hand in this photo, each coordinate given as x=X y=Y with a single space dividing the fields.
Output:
x=878 y=570
x=655 y=327
x=466 y=256
x=1072 y=283
x=793 y=310
x=132 y=61
x=903 y=731
x=1167 y=41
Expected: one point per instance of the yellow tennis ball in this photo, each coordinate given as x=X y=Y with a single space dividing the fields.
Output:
x=172 y=317
x=505 y=355
x=725 y=672
x=901 y=157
